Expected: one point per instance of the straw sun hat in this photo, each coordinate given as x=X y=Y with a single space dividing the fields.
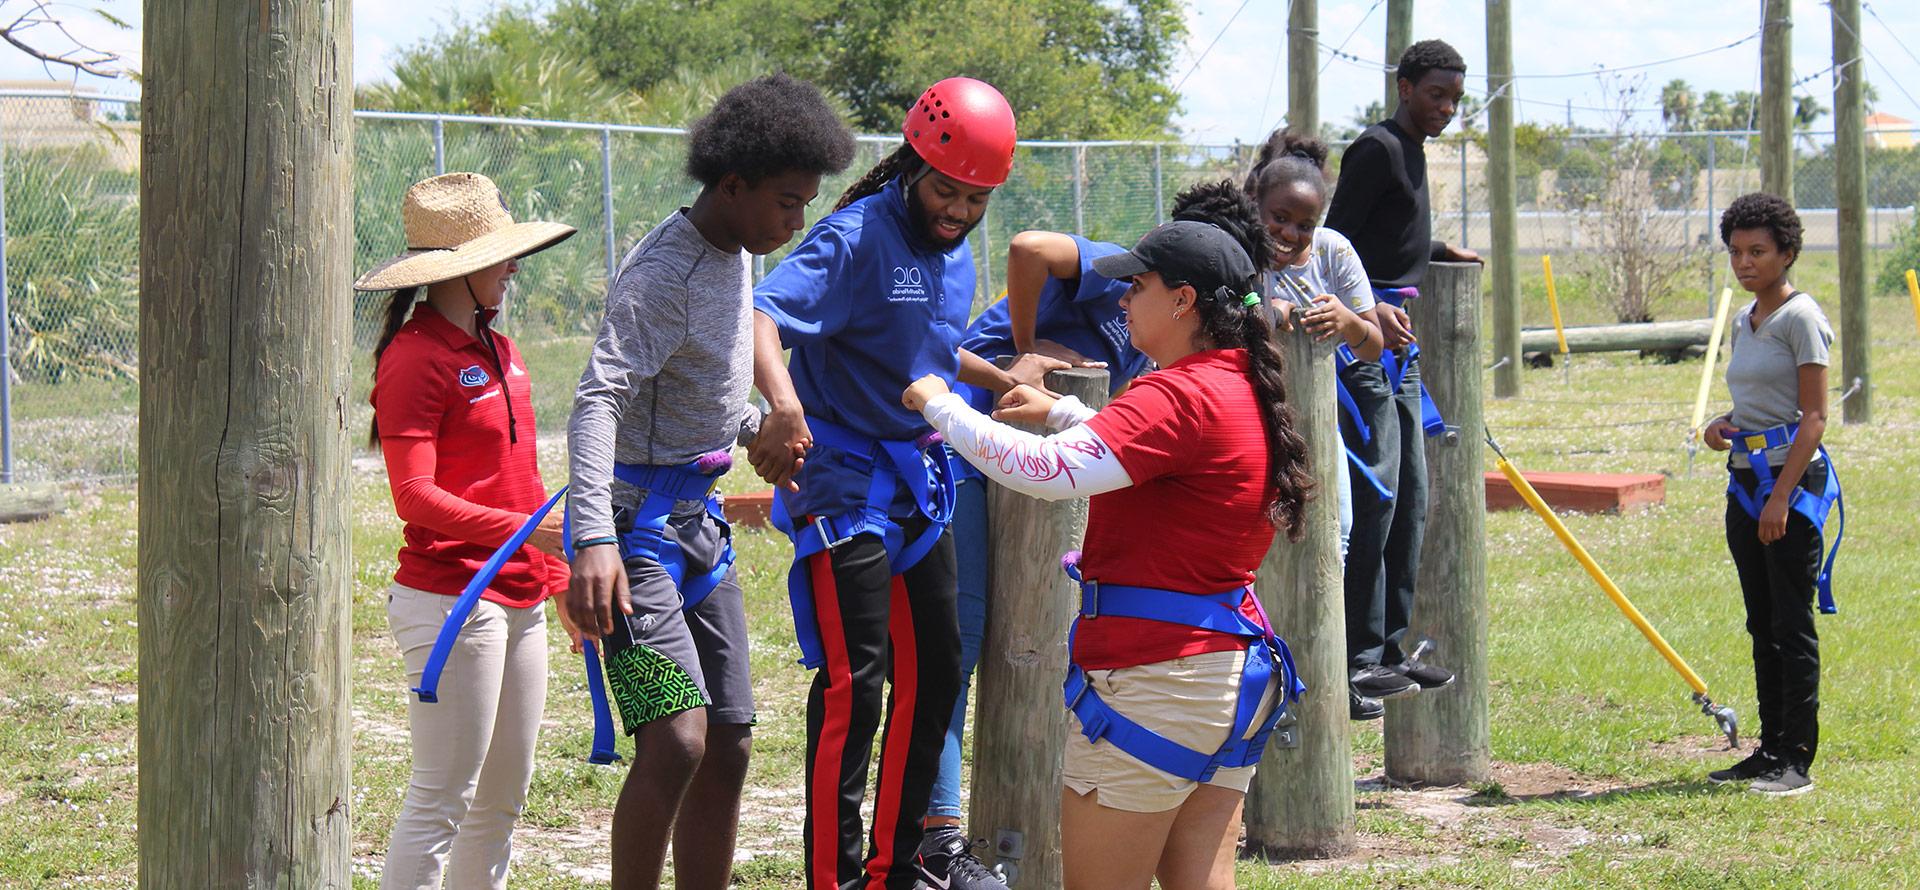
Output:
x=457 y=224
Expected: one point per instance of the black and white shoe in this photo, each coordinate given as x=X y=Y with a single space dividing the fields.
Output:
x=945 y=861
x=1375 y=681
x=1360 y=707
x=1756 y=765
x=1783 y=780
x=1428 y=676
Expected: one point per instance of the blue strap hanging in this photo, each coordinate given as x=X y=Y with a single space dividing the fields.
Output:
x=428 y=690
x=1814 y=507
x=603 y=738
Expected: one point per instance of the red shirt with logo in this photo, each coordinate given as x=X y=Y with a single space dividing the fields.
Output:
x=1195 y=520
x=457 y=429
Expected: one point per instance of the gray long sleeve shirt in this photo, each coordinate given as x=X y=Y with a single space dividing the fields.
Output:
x=670 y=371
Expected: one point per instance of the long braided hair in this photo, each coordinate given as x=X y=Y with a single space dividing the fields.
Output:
x=903 y=160
x=397 y=310
x=1226 y=321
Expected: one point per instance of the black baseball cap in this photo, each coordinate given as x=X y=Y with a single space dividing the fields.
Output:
x=1187 y=251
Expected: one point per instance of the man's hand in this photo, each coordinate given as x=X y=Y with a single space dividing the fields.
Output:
x=598 y=586
x=1032 y=368
x=780 y=449
x=1462 y=255
x=1395 y=326
x=1024 y=404
x=922 y=391
x=1065 y=353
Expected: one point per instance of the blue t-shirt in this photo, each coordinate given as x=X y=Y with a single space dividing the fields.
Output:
x=867 y=308
x=1082 y=314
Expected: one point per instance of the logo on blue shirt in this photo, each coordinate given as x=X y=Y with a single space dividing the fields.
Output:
x=908 y=285
x=474 y=375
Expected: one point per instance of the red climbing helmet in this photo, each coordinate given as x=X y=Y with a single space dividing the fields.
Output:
x=964 y=129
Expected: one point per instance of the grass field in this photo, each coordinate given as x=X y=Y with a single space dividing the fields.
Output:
x=1599 y=760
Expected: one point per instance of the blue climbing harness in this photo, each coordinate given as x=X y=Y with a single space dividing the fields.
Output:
x=1430 y=420
x=1268 y=661
x=1814 y=507
x=923 y=466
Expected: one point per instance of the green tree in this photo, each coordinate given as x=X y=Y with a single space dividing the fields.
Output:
x=505 y=66
x=1677 y=105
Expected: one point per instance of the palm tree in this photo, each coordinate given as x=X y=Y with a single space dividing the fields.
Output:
x=1677 y=105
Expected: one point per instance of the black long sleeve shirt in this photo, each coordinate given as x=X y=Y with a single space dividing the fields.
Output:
x=1381 y=205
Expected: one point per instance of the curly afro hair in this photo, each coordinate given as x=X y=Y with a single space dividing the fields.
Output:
x=1226 y=207
x=1429 y=55
x=1288 y=157
x=768 y=126
x=1759 y=210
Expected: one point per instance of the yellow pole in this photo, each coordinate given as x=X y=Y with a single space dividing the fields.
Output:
x=1553 y=303
x=1713 y=362
x=1539 y=506
x=1913 y=290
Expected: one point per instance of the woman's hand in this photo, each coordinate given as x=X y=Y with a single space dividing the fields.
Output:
x=922 y=391
x=1066 y=354
x=1284 y=308
x=1032 y=368
x=1773 y=518
x=1024 y=404
x=1330 y=317
x=598 y=586
x=780 y=448
x=566 y=623
x=549 y=536
x=1716 y=434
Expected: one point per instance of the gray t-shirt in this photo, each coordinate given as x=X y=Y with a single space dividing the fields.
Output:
x=1332 y=267
x=1763 y=370
x=670 y=371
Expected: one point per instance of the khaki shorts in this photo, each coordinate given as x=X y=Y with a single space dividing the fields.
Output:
x=1189 y=701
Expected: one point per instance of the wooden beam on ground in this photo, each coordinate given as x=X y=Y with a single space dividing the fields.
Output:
x=245 y=562
x=1021 y=728
x=1662 y=336
x=30 y=502
x=1301 y=802
x=1440 y=737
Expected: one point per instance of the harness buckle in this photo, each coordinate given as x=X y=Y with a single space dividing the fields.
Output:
x=1090 y=598
x=1756 y=442
x=822 y=527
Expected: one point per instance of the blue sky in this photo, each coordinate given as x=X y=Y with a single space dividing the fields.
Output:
x=1237 y=90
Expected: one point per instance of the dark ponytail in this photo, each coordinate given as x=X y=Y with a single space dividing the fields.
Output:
x=1225 y=322
x=397 y=311
x=1227 y=208
x=903 y=160
x=1288 y=158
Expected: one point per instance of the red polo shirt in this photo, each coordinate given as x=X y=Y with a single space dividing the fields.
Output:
x=457 y=428
x=1194 y=520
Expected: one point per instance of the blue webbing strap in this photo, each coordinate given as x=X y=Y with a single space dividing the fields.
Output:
x=1814 y=507
x=603 y=749
x=428 y=690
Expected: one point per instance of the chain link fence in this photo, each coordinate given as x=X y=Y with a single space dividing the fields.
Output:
x=70 y=243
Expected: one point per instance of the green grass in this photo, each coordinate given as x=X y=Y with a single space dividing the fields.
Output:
x=1579 y=701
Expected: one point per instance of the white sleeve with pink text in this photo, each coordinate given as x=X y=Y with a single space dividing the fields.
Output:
x=1073 y=463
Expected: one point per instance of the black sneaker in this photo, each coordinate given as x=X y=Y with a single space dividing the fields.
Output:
x=1783 y=780
x=1756 y=765
x=945 y=861
x=1375 y=681
x=1360 y=707
x=1428 y=676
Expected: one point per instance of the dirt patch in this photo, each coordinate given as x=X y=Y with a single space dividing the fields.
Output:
x=1705 y=747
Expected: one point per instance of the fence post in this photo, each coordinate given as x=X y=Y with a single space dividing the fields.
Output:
x=1159 y=189
x=1301 y=802
x=1080 y=190
x=606 y=195
x=6 y=337
x=439 y=145
x=1020 y=731
x=1440 y=737
x=1466 y=222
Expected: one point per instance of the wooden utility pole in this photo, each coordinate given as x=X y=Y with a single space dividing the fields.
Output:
x=1021 y=730
x=1776 y=99
x=246 y=236
x=1500 y=198
x=1301 y=803
x=1440 y=738
x=1850 y=187
x=1399 y=37
x=1303 y=67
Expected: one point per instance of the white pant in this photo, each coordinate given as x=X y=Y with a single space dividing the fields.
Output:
x=473 y=750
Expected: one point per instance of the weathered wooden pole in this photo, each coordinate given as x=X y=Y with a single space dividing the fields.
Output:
x=1440 y=737
x=246 y=234
x=1399 y=37
x=1020 y=730
x=1303 y=67
x=1776 y=99
x=1850 y=188
x=1500 y=199
x=1301 y=803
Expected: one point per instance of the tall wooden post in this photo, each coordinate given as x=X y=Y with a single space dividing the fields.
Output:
x=1021 y=728
x=1850 y=187
x=1301 y=801
x=245 y=560
x=1399 y=37
x=1440 y=737
x=1303 y=67
x=1500 y=199
x=1776 y=99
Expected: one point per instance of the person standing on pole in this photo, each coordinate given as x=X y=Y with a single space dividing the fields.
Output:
x=877 y=296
